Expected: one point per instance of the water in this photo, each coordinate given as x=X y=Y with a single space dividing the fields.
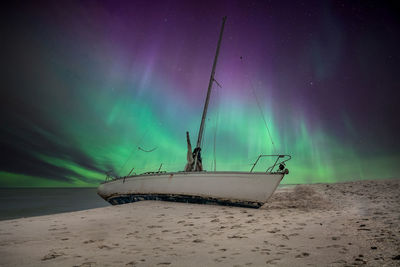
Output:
x=27 y=202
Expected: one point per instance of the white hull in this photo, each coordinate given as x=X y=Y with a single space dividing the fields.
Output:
x=229 y=188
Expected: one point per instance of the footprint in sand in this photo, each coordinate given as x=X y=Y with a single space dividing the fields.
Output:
x=104 y=246
x=63 y=233
x=154 y=226
x=52 y=255
x=272 y=261
x=87 y=264
x=303 y=255
x=237 y=236
x=334 y=246
x=220 y=259
x=285 y=237
x=55 y=229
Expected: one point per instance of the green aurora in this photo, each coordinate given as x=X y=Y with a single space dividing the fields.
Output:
x=86 y=85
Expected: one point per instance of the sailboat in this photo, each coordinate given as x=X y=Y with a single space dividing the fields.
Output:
x=195 y=185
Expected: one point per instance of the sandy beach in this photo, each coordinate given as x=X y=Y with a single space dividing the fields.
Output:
x=343 y=224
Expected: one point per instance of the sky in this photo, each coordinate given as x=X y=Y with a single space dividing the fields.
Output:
x=90 y=87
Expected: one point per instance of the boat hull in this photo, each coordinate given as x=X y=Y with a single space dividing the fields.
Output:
x=226 y=188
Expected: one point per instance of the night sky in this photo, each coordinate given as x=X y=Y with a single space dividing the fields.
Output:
x=85 y=83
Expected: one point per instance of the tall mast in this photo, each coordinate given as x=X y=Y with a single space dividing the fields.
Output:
x=203 y=118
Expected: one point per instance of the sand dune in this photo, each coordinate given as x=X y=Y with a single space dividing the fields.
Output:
x=345 y=224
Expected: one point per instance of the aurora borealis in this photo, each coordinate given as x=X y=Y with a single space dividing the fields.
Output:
x=85 y=83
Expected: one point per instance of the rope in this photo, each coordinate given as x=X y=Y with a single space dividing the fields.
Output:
x=204 y=149
x=133 y=150
x=258 y=105
x=144 y=150
x=215 y=133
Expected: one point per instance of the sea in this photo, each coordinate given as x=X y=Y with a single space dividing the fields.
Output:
x=27 y=202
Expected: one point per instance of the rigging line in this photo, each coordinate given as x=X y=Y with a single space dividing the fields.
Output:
x=215 y=132
x=205 y=124
x=258 y=104
x=144 y=150
x=133 y=150
x=205 y=148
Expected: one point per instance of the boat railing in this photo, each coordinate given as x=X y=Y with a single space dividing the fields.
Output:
x=278 y=166
x=112 y=177
x=154 y=172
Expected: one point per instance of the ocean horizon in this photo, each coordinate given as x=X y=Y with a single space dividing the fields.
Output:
x=27 y=202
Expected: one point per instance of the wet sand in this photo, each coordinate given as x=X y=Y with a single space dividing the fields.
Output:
x=343 y=224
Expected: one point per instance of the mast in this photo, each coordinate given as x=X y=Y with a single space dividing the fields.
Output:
x=203 y=118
